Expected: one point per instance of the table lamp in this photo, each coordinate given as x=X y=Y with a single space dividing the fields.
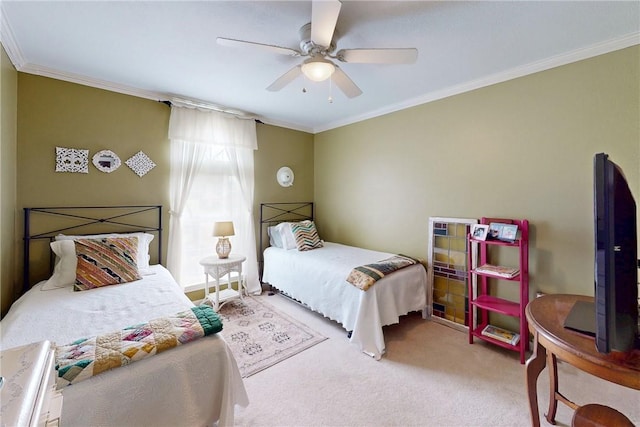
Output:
x=223 y=230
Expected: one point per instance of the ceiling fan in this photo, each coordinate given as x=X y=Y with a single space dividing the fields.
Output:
x=318 y=44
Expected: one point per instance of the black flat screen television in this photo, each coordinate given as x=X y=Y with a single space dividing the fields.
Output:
x=616 y=258
x=613 y=316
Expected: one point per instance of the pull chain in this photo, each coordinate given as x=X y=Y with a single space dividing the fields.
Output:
x=330 y=90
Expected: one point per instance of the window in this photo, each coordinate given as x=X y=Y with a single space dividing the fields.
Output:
x=214 y=196
x=211 y=180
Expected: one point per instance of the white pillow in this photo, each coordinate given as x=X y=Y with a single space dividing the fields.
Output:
x=144 y=239
x=286 y=235
x=64 y=271
x=274 y=237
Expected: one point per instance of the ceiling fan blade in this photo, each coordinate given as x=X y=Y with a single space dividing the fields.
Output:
x=378 y=56
x=252 y=45
x=324 y=16
x=285 y=79
x=346 y=85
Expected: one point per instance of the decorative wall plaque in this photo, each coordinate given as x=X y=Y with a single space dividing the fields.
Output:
x=106 y=161
x=140 y=163
x=72 y=160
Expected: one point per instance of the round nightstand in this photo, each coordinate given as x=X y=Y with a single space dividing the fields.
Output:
x=216 y=268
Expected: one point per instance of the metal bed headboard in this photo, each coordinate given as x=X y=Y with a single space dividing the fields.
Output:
x=274 y=213
x=43 y=224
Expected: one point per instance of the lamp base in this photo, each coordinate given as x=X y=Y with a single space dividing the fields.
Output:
x=223 y=247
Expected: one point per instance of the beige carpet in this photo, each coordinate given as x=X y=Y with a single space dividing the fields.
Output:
x=261 y=336
x=430 y=376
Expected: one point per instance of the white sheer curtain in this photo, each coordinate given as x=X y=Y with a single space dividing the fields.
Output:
x=212 y=179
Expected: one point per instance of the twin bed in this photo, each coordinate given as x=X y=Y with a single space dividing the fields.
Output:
x=316 y=277
x=197 y=383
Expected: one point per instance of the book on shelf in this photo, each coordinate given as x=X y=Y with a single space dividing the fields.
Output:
x=498 y=270
x=501 y=334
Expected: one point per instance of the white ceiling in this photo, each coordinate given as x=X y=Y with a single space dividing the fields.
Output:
x=160 y=49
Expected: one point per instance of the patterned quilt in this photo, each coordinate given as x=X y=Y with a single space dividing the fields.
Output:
x=87 y=357
x=365 y=276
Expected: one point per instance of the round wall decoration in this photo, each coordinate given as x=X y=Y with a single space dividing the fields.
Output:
x=285 y=176
x=106 y=161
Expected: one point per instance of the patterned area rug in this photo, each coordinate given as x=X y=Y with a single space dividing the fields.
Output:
x=260 y=336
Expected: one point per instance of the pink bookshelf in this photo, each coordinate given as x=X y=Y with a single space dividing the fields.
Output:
x=482 y=303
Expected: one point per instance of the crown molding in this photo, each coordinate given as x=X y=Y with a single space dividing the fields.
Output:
x=19 y=62
x=513 y=73
x=90 y=81
x=9 y=42
x=287 y=125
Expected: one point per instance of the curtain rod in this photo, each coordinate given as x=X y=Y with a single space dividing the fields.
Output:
x=236 y=114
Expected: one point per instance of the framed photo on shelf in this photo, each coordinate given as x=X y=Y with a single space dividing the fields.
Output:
x=508 y=233
x=495 y=228
x=479 y=231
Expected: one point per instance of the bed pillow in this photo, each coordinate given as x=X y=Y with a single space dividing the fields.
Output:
x=64 y=271
x=306 y=236
x=286 y=234
x=281 y=236
x=106 y=261
x=275 y=239
x=144 y=239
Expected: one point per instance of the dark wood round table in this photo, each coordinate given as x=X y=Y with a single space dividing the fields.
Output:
x=551 y=340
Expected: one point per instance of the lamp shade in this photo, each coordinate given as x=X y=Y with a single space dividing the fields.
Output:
x=223 y=229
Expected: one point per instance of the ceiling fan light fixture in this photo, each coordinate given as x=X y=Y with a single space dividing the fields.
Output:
x=318 y=69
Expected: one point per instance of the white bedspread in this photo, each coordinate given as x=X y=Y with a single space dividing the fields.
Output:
x=195 y=384
x=317 y=278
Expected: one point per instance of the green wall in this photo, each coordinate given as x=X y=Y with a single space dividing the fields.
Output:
x=53 y=113
x=56 y=113
x=8 y=166
x=522 y=149
x=519 y=149
x=279 y=147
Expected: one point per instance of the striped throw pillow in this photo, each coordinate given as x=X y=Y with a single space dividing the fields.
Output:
x=306 y=235
x=106 y=261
